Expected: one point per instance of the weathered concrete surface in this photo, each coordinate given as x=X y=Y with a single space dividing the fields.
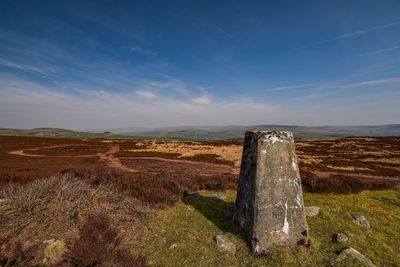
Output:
x=269 y=202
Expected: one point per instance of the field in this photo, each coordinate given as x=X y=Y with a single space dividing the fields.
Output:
x=338 y=165
x=149 y=177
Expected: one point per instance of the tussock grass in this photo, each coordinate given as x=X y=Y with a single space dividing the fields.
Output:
x=192 y=223
x=56 y=208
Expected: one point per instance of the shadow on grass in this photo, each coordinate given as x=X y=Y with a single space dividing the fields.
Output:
x=215 y=210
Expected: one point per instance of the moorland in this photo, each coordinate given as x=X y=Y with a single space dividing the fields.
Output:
x=58 y=188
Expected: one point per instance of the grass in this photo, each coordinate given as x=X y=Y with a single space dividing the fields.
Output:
x=192 y=223
x=57 y=207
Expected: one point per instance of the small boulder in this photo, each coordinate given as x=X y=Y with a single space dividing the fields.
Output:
x=224 y=244
x=359 y=219
x=339 y=237
x=54 y=252
x=173 y=246
x=354 y=254
x=216 y=196
x=311 y=211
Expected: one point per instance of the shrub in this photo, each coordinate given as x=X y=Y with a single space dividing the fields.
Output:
x=98 y=244
x=15 y=252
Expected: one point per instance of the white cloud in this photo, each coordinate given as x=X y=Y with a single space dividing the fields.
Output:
x=147 y=95
x=25 y=104
x=201 y=100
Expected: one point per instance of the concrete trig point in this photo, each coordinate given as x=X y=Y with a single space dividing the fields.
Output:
x=269 y=202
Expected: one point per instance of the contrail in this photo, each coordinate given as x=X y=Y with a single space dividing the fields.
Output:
x=349 y=35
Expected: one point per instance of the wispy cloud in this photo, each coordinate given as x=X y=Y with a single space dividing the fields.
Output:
x=289 y=87
x=324 y=91
x=357 y=84
x=201 y=100
x=147 y=95
x=140 y=50
x=383 y=50
x=349 y=35
x=24 y=67
x=27 y=104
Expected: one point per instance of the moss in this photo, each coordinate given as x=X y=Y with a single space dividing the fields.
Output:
x=192 y=223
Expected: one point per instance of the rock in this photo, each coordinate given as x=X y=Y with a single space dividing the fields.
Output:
x=224 y=243
x=339 y=237
x=354 y=254
x=216 y=196
x=269 y=200
x=359 y=219
x=54 y=252
x=173 y=246
x=311 y=211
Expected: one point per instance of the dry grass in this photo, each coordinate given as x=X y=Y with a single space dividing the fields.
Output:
x=227 y=153
x=98 y=244
x=56 y=207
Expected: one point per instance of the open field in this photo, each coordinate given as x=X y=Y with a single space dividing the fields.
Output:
x=138 y=185
x=338 y=165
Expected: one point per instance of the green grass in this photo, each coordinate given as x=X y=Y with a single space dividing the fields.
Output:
x=192 y=223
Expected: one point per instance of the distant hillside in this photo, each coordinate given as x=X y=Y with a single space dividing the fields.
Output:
x=55 y=132
x=224 y=132
x=211 y=132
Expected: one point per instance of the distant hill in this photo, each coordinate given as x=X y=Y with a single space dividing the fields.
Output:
x=225 y=132
x=55 y=132
x=211 y=132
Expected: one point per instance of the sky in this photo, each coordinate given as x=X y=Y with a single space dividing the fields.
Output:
x=113 y=64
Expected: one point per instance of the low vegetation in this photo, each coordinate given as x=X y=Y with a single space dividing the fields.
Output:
x=182 y=235
x=98 y=244
x=57 y=208
x=147 y=221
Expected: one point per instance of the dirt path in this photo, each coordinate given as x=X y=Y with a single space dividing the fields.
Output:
x=22 y=152
x=113 y=162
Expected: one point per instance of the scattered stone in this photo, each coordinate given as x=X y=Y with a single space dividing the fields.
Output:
x=54 y=252
x=224 y=243
x=359 y=219
x=339 y=237
x=311 y=211
x=269 y=200
x=173 y=246
x=191 y=194
x=216 y=196
x=50 y=241
x=354 y=254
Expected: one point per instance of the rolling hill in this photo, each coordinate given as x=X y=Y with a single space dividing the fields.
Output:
x=225 y=132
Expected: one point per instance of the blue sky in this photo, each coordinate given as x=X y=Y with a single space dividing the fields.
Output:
x=107 y=64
